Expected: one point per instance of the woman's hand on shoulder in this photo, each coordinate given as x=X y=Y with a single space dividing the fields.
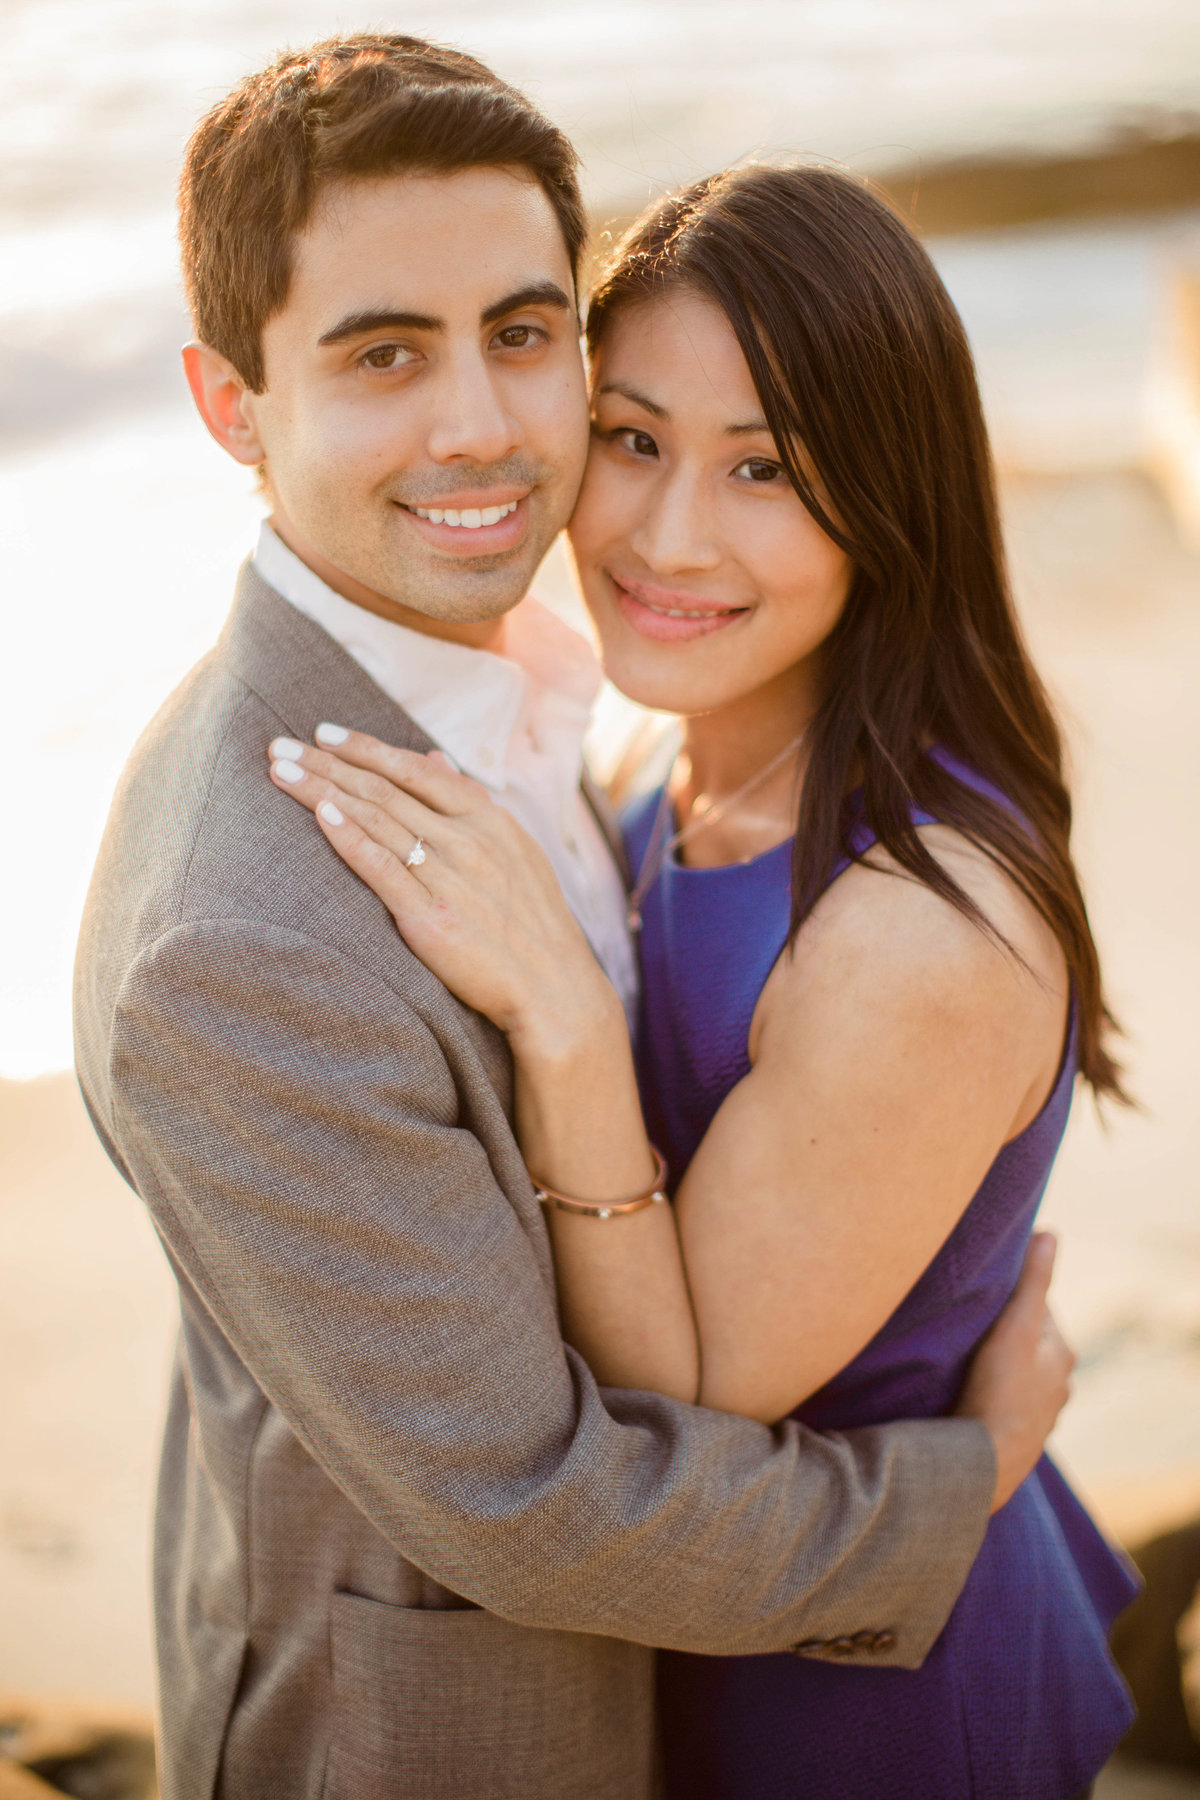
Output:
x=471 y=892
x=895 y=1050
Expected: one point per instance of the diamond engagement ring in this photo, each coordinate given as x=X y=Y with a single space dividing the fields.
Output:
x=416 y=856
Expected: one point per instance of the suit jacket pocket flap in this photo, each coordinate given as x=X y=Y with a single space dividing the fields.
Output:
x=434 y=1705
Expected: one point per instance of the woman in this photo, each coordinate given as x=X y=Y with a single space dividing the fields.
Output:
x=868 y=976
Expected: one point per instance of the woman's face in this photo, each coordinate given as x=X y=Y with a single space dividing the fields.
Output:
x=706 y=576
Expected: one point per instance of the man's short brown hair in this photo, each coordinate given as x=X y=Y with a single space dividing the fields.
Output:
x=361 y=106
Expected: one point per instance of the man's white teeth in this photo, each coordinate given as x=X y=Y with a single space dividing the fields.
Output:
x=470 y=518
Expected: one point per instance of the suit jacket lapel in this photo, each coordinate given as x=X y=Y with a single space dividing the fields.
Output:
x=305 y=677
x=302 y=674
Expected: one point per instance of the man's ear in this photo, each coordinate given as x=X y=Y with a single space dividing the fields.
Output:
x=224 y=402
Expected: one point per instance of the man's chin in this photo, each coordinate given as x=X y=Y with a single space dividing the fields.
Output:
x=462 y=589
x=475 y=593
x=471 y=591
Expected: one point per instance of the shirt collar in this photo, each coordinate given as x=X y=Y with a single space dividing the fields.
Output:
x=468 y=700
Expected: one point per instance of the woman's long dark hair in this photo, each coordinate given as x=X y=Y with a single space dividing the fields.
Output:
x=867 y=381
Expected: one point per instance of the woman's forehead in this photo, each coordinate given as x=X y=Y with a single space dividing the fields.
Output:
x=679 y=352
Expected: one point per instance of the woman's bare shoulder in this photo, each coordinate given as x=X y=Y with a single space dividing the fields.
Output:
x=883 y=953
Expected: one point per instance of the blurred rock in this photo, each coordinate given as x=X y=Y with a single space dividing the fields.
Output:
x=1126 y=1780
x=91 y=1752
x=1188 y=1638
x=1147 y=1644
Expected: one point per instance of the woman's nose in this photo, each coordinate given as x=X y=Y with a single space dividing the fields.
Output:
x=675 y=533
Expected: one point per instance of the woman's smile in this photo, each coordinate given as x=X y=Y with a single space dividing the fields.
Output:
x=668 y=615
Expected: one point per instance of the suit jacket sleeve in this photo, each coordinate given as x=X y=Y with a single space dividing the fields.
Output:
x=300 y=1138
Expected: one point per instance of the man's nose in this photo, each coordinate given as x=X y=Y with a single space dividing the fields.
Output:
x=469 y=418
x=675 y=533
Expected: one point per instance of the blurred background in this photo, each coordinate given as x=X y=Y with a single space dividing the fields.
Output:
x=1050 y=152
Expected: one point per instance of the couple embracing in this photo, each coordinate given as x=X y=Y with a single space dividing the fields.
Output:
x=613 y=1359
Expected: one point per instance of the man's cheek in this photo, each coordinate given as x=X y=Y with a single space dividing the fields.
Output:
x=345 y=437
x=559 y=415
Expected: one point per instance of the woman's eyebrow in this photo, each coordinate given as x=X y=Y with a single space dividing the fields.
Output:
x=752 y=427
x=628 y=393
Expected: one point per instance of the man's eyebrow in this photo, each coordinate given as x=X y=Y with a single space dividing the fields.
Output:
x=389 y=318
x=380 y=318
x=627 y=393
x=538 y=293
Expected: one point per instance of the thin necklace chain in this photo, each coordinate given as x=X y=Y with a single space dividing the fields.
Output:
x=660 y=846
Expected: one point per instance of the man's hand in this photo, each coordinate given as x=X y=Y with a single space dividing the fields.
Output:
x=1020 y=1379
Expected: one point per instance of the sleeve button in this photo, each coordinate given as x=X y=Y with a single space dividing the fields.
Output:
x=884 y=1640
x=842 y=1646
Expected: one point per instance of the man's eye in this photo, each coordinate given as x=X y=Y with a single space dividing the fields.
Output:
x=518 y=337
x=758 y=468
x=386 y=356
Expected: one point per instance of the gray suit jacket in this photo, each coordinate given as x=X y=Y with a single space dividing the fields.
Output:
x=405 y=1546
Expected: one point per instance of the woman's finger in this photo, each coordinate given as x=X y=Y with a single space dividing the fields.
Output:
x=384 y=872
x=380 y=824
x=1028 y=1302
x=379 y=790
x=294 y=763
x=436 y=783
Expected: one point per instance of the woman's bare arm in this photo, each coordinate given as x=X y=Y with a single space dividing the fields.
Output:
x=621 y=1283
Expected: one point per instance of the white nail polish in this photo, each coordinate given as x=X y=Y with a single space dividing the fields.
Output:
x=289 y=771
x=330 y=813
x=287 y=747
x=331 y=734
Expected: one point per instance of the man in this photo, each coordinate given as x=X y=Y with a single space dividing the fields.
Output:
x=405 y=1547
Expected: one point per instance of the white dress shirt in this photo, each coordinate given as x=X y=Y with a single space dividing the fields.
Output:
x=514 y=721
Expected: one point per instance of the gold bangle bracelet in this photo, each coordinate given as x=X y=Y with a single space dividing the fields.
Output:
x=655 y=1195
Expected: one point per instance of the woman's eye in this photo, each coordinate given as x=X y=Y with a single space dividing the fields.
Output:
x=386 y=356
x=758 y=468
x=638 y=443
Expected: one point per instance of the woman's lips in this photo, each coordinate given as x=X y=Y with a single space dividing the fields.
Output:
x=671 y=618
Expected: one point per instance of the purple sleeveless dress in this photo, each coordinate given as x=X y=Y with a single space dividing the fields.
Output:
x=1019 y=1699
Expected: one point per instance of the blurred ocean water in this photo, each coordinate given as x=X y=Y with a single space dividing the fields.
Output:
x=123 y=526
x=100 y=93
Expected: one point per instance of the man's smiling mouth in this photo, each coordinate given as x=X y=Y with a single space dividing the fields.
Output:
x=470 y=518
